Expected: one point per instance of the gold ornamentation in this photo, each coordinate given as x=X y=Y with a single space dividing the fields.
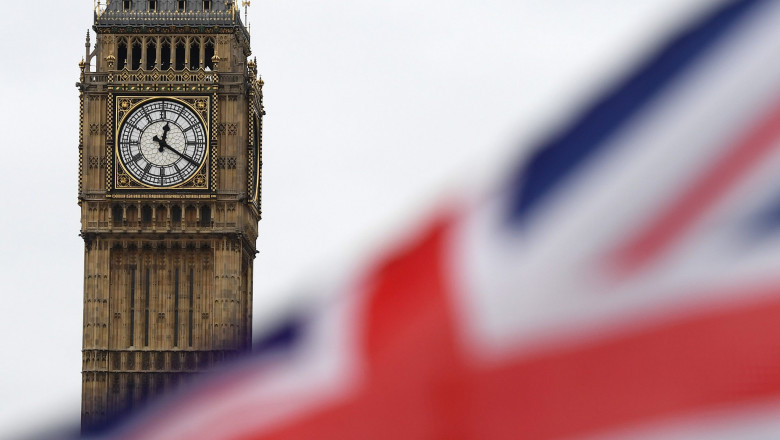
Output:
x=214 y=141
x=109 y=139
x=125 y=105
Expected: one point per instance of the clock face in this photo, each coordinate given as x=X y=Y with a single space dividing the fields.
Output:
x=162 y=143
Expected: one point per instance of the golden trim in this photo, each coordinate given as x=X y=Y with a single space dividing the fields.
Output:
x=134 y=102
x=157 y=196
x=81 y=143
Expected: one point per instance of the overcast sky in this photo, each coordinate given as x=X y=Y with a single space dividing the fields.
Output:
x=375 y=110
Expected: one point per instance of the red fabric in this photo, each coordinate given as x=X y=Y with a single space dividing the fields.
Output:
x=421 y=387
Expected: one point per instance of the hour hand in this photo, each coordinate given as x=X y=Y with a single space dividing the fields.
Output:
x=159 y=141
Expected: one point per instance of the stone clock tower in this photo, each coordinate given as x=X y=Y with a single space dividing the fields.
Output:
x=170 y=159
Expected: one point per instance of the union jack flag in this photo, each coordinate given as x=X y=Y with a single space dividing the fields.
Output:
x=623 y=282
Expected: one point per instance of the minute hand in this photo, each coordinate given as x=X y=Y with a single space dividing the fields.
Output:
x=191 y=160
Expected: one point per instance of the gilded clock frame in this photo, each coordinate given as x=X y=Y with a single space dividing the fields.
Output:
x=200 y=181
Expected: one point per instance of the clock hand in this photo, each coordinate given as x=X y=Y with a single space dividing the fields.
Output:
x=159 y=141
x=189 y=159
x=162 y=143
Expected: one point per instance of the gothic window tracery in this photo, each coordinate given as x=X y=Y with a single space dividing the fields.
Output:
x=135 y=59
x=181 y=53
x=165 y=54
x=209 y=54
x=195 y=53
x=121 y=58
x=151 y=53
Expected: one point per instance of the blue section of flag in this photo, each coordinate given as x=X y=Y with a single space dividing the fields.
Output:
x=766 y=221
x=560 y=157
x=283 y=337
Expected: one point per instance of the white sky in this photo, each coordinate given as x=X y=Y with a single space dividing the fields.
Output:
x=375 y=109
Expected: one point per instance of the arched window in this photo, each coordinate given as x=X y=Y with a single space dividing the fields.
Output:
x=190 y=215
x=209 y=54
x=135 y=62
x=121 y=55
x=195 y=54
x=181 y=5
x=132 y=215
x=165 y=54
x=205 y=216
x=127 y=5
x=206 y=5
x=152 y=5
x=116 y=215
x=160 y=215
x=146 y=215
x=176 y=215
x=181 y=54
x=151 y=53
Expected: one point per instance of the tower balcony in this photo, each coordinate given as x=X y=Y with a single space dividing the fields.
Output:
x=168 y=217
x=150 y=80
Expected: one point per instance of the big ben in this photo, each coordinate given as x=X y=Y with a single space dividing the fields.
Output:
x=170 y=173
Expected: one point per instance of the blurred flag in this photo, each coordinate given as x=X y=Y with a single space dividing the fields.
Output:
x=624 y=283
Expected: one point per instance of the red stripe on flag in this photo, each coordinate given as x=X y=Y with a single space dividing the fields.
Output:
x=719 y=358
x=420 y=386
x=661 y=233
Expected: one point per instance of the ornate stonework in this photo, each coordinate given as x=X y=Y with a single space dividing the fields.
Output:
x=168 y=270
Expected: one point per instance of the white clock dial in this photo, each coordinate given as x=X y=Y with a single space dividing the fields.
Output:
x=162 y=143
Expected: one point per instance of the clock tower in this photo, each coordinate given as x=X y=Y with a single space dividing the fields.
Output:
x=170 y=160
